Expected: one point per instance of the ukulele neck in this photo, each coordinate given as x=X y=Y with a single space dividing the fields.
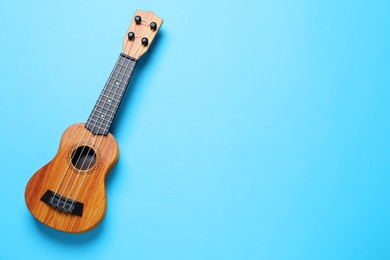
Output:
x=106 y=108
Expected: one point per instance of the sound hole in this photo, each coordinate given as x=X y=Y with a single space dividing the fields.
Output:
x=83 y=158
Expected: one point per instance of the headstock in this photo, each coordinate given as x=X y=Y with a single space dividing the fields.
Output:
x=141 y=33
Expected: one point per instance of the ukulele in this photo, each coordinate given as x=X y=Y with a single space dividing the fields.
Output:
x=68 y=193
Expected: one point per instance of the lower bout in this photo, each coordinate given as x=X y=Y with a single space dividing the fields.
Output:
x=68 y=222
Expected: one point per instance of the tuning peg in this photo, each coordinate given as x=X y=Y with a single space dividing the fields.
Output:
x=144 y=41
x=131 y=36
x=138 y=19
x=153 y=26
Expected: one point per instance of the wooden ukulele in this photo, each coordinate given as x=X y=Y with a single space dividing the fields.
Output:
x=68 y=193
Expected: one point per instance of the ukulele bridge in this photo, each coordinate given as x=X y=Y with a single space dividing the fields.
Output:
x=62 y=203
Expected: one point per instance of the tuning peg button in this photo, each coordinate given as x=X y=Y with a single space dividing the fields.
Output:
x=131 y=36
x=144 y=41
x=153 y=26
x=138 y=19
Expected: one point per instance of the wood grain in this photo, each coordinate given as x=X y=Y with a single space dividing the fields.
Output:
x=88 y=185
x=135 y=48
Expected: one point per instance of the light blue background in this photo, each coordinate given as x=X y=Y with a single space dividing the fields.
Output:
x=255 y=129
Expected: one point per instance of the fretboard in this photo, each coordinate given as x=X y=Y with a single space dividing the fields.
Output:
x=103 y=114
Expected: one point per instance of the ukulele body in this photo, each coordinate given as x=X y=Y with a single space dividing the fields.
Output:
x=69 y=194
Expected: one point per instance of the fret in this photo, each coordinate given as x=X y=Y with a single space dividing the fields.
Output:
x=111 y=94
x=112 y=79
x=111 y=90
x=115 y=87
x=105 y=109
x=100 y=119
x=119 y=76
x=97 y=124
x=106 y=106
x=111 y=100
x=123 y=68
x=104 y=112
x=100 y=124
